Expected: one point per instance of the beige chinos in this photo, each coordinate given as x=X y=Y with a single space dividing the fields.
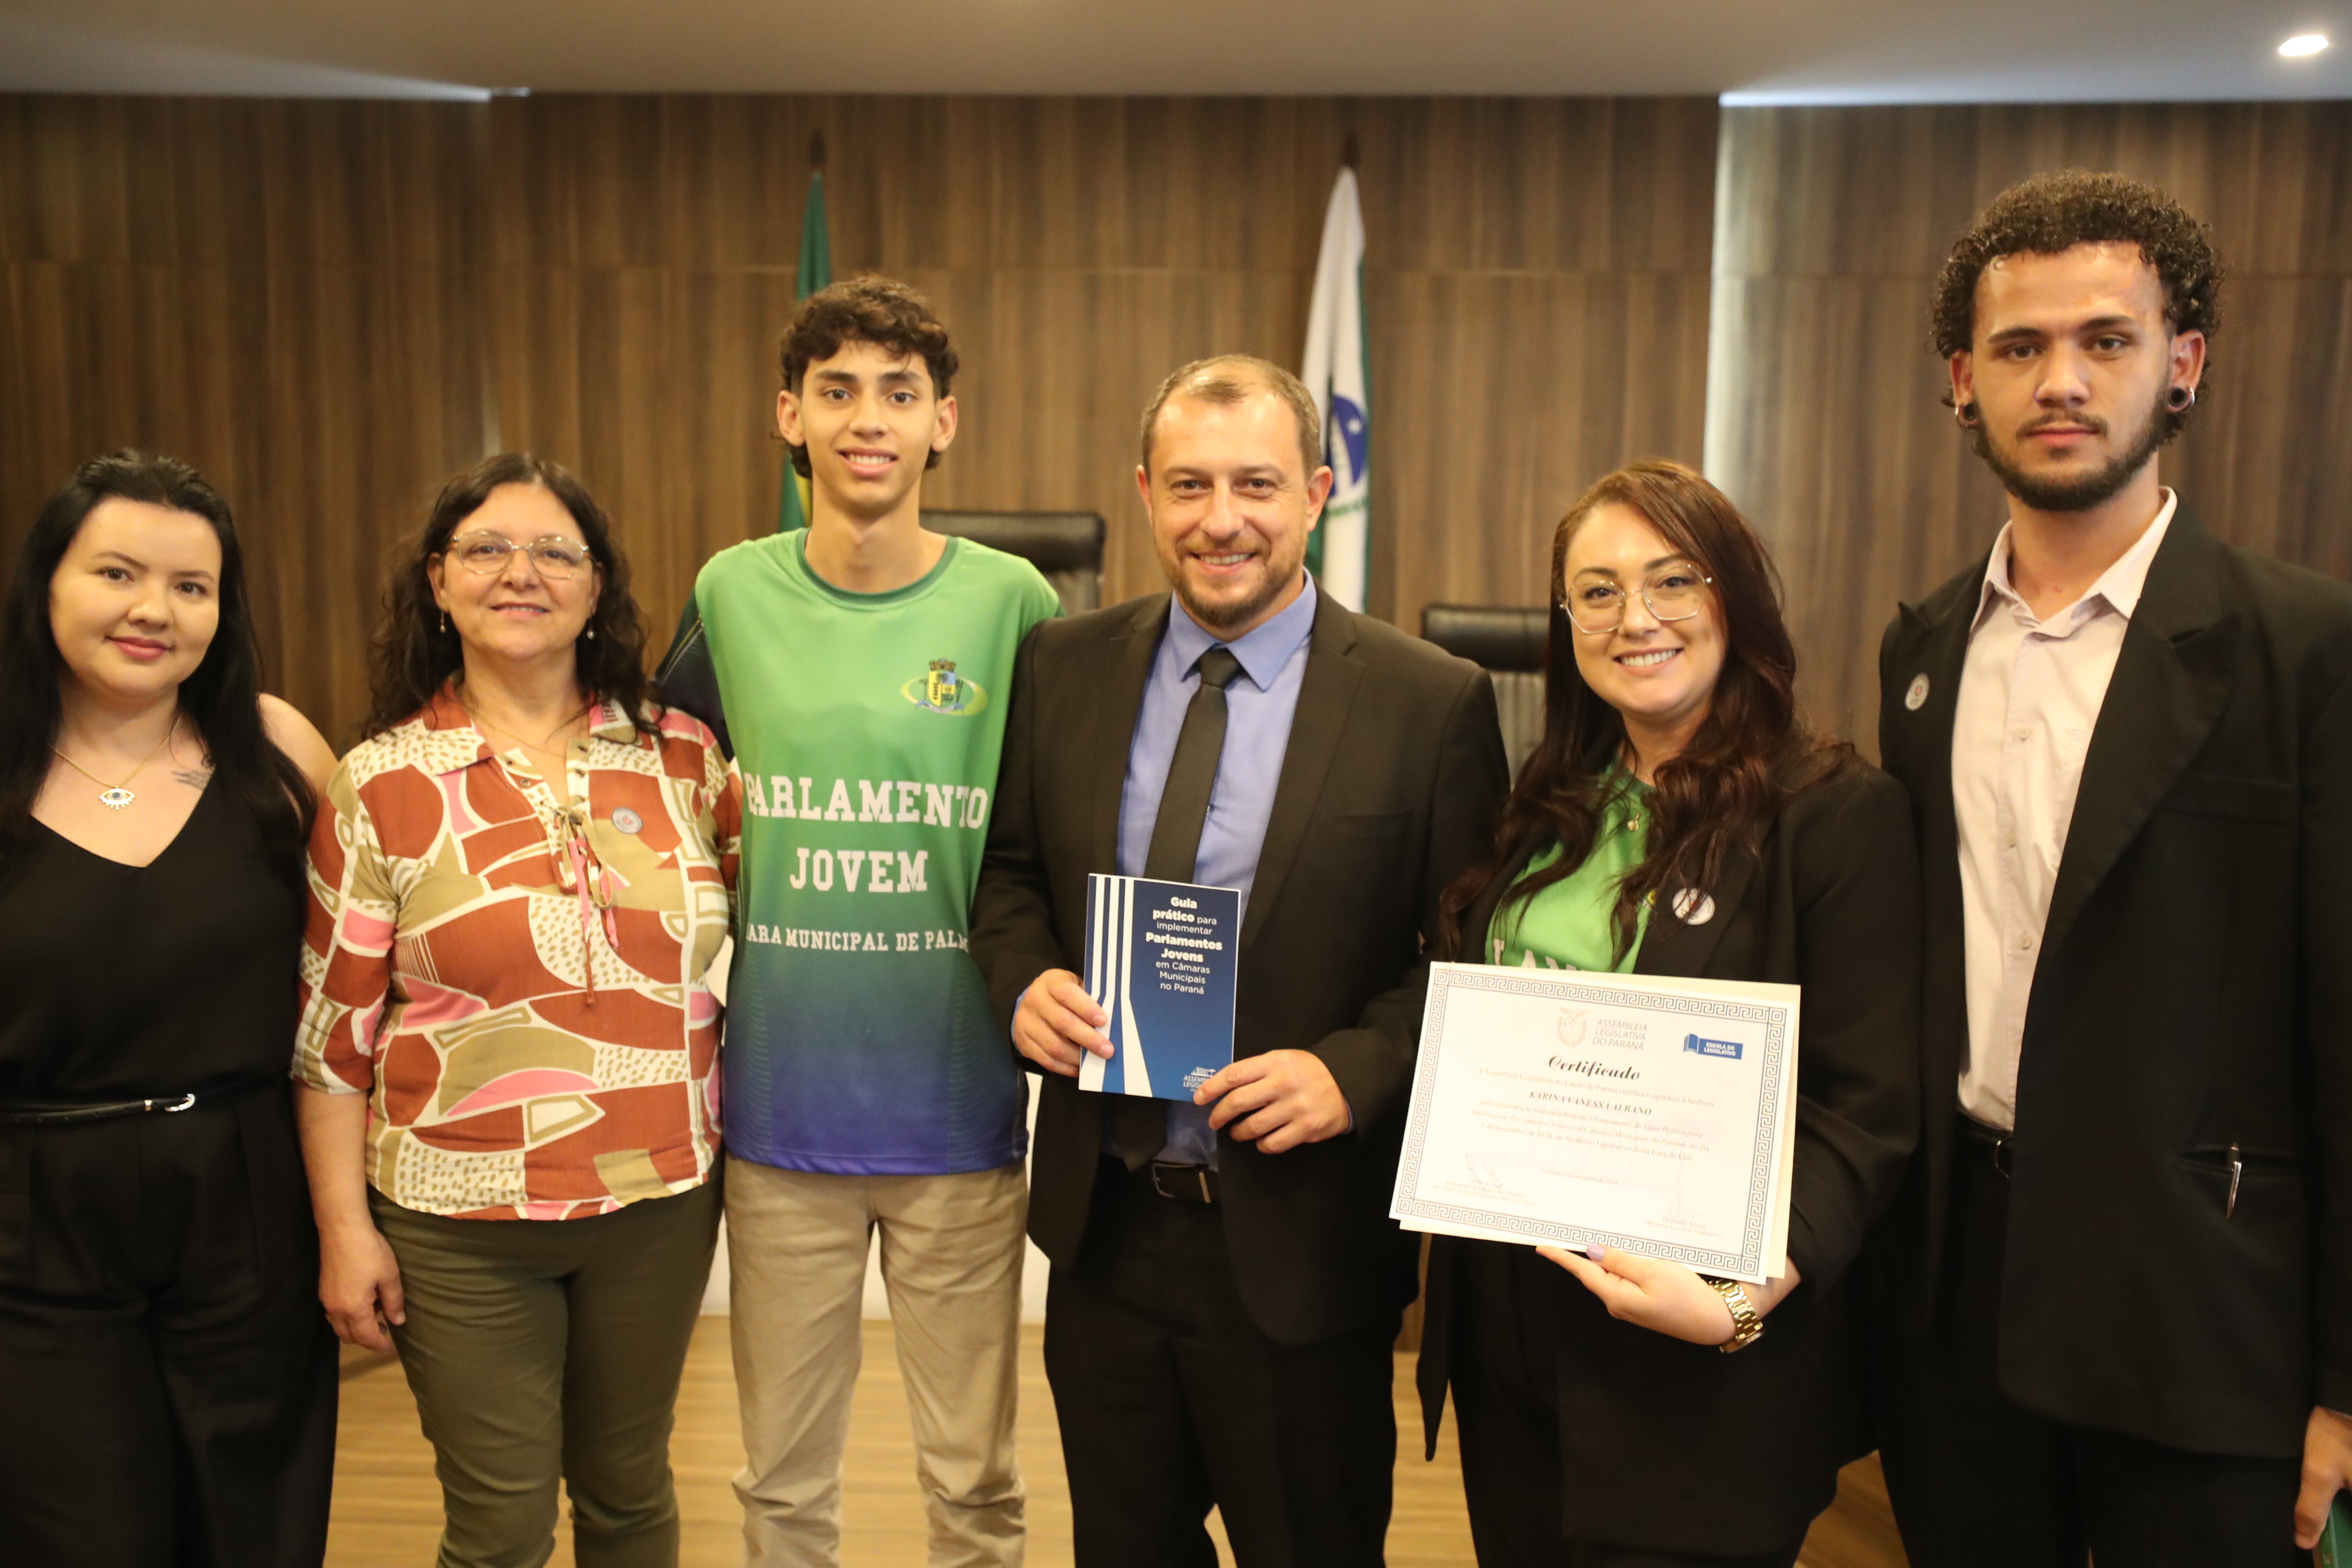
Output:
x=952 y=1251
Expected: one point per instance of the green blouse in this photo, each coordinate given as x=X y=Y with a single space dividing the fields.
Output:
x=1572 y=924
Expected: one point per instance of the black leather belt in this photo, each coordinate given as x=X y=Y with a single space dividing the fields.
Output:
x=1185 y=1184
x=1991 y=1139
x=36 y=1113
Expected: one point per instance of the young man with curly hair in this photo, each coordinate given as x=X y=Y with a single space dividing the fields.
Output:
x=859 y=669
x=2125 y=1267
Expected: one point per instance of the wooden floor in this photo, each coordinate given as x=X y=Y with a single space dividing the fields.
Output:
x=388 y=1506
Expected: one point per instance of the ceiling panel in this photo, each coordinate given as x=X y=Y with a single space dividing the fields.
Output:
x=1756 y=51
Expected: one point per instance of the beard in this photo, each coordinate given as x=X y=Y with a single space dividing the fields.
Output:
x=1230 y=614
x=2076 y=493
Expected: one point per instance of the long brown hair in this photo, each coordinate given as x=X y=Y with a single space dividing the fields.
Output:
x=415 y=654
x=221 y=697
x=1721 y=793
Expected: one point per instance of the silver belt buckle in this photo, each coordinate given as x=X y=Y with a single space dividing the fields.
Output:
x=1193 y=1183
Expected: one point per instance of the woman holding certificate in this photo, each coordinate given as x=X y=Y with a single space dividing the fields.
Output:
x=1678 y=818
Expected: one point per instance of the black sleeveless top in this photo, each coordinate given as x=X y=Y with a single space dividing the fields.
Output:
x=135 y=982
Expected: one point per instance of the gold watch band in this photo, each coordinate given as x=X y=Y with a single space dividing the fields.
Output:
x=1747 y=1322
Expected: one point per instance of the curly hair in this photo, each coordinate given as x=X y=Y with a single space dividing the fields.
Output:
x=415 y=654
x=882 y=311
x=1718 y=797
x=2057 y=211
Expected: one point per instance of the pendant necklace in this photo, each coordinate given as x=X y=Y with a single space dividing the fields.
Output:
x=114 y=797
x=544 y=747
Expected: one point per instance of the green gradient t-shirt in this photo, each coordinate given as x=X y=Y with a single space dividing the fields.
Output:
x=868 y=729
x=1572 y=923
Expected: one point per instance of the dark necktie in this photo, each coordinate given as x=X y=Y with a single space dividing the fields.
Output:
x=1175 y=852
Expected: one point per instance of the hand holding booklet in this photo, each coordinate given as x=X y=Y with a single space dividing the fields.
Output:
x=1568 y=1109
x=1160 y=961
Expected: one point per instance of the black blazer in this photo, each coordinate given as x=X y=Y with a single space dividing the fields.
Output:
x=1675 y=1447
x=1389 y=789
x=2194 y=991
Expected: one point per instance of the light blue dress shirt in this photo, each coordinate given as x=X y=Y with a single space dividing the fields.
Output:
x=1259 y=706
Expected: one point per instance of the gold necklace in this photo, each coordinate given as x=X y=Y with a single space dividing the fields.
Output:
x=114 y=797
x=542 y=747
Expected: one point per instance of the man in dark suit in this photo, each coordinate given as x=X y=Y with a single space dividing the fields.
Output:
x=1226 y=1284
x=2127 y=1250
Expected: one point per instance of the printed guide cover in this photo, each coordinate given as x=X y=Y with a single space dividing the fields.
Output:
x=1161 y=961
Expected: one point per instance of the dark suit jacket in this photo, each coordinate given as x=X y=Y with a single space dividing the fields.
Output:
x=2194 y=991
x=1389 y=789
x=1676 y=1446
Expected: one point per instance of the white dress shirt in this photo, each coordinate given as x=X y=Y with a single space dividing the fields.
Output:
x=2028 y=698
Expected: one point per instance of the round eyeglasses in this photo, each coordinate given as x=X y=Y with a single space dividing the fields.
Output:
x=1672 y=593
x=486 y=554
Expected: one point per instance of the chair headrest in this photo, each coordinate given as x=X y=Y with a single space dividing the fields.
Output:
x=1492 y=637
x=1049 y=541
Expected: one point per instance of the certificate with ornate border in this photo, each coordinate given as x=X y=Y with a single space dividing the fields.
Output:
x=1569 y=1109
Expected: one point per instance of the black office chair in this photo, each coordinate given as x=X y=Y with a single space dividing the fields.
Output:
x=1508 y=643
x=1065 y=546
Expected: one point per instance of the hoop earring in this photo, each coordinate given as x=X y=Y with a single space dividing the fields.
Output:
x=1964 y=415
x=2181 y=399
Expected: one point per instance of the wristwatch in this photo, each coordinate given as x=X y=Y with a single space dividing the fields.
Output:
x=1747 y=1322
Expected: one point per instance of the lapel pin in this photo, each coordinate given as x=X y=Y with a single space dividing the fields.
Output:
x=1694 y=908
x=1916 y=697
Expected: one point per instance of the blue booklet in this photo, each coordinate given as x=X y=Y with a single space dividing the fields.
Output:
x=1161 y=961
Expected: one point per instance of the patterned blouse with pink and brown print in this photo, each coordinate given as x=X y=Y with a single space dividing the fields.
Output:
x=521 y=984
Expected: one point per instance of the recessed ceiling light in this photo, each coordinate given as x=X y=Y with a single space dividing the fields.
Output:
x=2303 y=43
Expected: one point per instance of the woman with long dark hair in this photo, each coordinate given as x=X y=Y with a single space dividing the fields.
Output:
x=167 y=1389
x=1678 y=817
x=509 y=1044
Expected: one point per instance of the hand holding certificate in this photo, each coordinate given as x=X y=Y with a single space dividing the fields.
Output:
x=1573 y=1108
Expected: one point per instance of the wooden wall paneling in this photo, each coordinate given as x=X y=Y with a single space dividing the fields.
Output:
x=1545 y=320
x=373 y=399
x=2266 y=453
x=281 y=293
x=343 y=303
x=1081 y=248
x=1824 y=413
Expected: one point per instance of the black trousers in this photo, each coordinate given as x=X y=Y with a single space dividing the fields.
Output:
x=1504 y=1366
x=1173 y=1399
x=1975 y=1478
x=167 y=1377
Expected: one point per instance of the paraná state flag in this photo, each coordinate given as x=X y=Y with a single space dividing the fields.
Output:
x=1337 y=372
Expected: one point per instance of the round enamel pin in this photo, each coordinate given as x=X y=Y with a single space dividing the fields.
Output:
x=1917 y=696
x=1694 y=908
x=627 y=821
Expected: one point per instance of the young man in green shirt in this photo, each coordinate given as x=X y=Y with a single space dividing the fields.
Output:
x=859 y=671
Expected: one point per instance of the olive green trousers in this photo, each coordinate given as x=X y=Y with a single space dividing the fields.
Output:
x=548 y=1350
